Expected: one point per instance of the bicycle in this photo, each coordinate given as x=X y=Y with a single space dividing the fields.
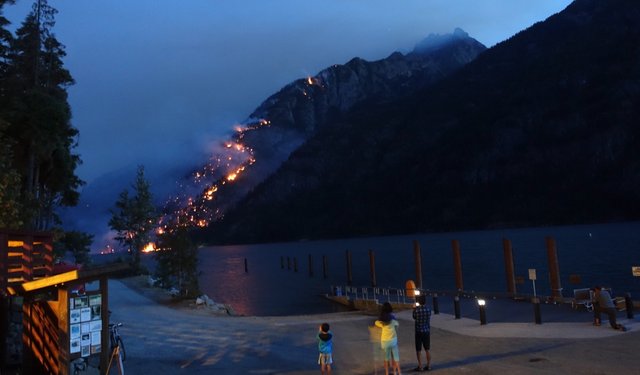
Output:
x=117 y=347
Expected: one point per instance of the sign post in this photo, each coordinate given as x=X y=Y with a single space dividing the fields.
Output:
x=532 y=277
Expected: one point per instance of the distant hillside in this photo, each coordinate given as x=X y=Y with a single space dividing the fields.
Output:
x=285 y=120
x=540 y=129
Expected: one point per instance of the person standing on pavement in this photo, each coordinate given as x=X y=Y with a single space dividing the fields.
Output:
x=422 y=317
x=325 y=347
x=602 y=302
x=389 y=339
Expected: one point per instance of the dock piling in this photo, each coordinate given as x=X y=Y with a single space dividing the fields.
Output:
x=372 y=267
x=457 y=264
x=349 y=273
x=324 y=266
x=508 y=267
x=418 y=260
x=554 y=269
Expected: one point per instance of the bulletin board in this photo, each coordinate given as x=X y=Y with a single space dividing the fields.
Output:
x=85 y=324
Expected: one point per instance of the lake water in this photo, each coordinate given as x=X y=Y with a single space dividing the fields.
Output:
x=598 y=254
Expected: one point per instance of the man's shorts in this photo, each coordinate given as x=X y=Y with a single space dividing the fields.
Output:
x=325 y=359
x=423 y=340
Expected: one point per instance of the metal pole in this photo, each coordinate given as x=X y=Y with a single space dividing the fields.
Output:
x=483 y=313
x=436 y=307
x=456 y=306
x=536 y=310
x=246 y=266
x=629 y=304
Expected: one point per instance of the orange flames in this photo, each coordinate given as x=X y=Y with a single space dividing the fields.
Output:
x=150 y=247
x=223 y=167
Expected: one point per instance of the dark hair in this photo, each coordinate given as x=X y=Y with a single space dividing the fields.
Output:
x=325 y=327
x=386 y=312
x=421 y=299
x=387 y=308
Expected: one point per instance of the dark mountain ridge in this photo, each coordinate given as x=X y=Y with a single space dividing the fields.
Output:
x=540 y=129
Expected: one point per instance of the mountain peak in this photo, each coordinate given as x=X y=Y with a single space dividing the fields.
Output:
x=435 y=41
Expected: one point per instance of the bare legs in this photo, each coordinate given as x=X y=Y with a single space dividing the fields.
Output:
x=325 y=369
x=427 y=356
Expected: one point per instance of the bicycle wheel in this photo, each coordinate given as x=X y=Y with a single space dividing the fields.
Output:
x=123 y=352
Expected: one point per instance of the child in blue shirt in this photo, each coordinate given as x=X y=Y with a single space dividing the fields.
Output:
x=325 y=347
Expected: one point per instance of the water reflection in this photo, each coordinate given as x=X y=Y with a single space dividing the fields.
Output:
x=599 y=254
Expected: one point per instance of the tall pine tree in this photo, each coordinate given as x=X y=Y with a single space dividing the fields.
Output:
x=38 y=114
x=135 y=218
x=177 y=261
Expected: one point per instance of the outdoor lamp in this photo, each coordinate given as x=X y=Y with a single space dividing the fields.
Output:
x=483 y=314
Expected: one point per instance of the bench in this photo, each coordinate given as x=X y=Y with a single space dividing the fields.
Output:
x=582 y=297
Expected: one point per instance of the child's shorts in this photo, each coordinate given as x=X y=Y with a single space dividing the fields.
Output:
x=325 y=359
x=390 y=349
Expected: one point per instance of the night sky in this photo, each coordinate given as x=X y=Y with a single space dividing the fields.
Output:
x=161 y=82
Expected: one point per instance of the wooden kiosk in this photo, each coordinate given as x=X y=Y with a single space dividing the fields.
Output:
x=48 y=320
x=65 y=317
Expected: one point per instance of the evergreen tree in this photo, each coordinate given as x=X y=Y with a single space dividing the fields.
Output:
x=5 y=40
x=177 y=262
x=134 y=218
x=11 y=212
x=34 y=104
x=78 y=243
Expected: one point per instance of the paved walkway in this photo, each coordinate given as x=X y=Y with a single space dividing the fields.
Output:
x=162 y=340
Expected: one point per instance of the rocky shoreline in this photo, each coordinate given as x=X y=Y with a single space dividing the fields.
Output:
x=144 y=285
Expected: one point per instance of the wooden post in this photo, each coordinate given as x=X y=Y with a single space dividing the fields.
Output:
x=246 y=266
x=324 y=266
x=64 y=343
x=554 y=269
x=27 y=258
x=349 y=274
x=310 y=266
x=418 y=260
x=104 y=339
x=372 y=267
x=457 y=264
x=508 y=266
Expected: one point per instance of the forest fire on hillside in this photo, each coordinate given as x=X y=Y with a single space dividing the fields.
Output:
x=197 y=208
